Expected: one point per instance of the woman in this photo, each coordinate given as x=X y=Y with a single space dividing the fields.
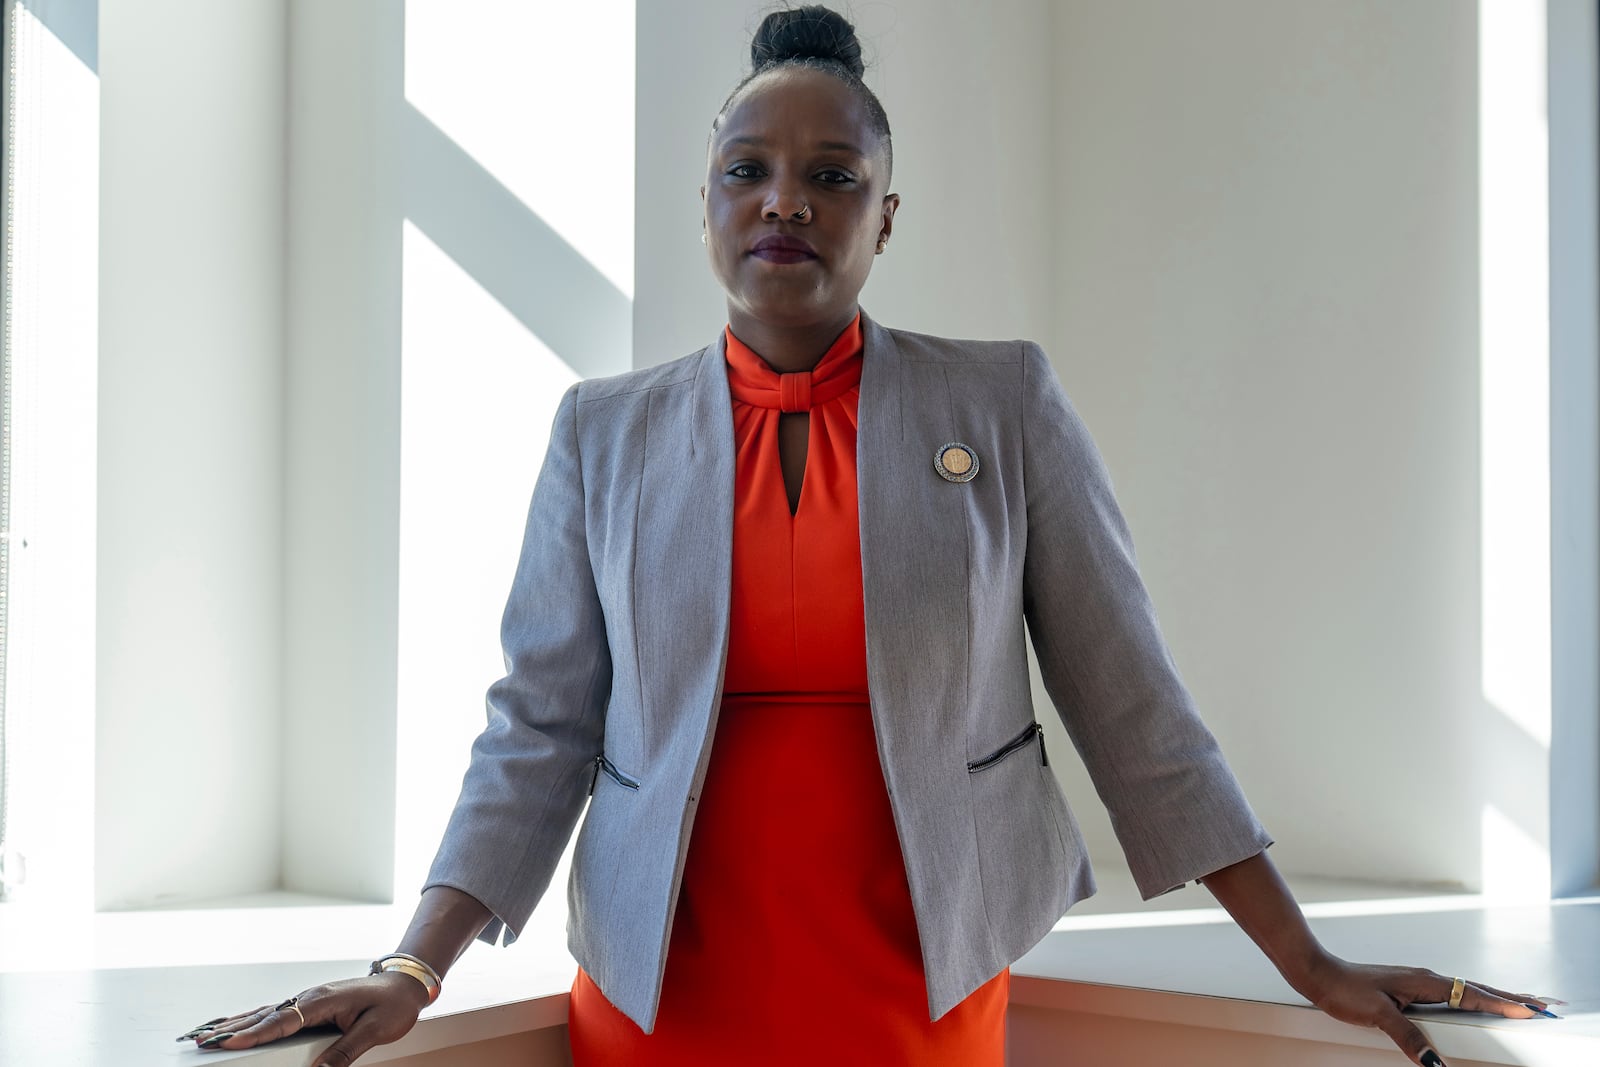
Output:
x=810 y=549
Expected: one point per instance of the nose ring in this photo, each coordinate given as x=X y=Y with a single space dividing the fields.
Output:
x=803 y=212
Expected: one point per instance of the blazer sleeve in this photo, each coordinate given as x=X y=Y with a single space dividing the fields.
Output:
x=527 y=782
x=1176 y=807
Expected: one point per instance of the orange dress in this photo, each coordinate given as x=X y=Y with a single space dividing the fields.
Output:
x=794 y=940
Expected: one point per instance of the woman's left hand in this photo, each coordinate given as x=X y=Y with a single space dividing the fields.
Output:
x=1254 y=893
x=1376 y=996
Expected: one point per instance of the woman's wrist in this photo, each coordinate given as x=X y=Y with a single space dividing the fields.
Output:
x=419 y=970
x=445 y=923
x=1313 y=973
x=1255 y=895
x=413 y=988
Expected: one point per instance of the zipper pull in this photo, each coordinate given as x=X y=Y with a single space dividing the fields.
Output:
x=1044 y=760
x=596 y=777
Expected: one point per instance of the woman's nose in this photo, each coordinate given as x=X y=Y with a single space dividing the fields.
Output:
x=783 y=203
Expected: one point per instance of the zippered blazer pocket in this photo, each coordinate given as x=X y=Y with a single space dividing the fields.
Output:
x=603 y=764
x=1021 y=741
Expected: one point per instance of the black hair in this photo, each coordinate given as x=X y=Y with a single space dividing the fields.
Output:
x=817 y=38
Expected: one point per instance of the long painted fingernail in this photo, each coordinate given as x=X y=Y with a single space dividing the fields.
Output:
x=209 y=1024
x=215 y=1039
x=1541 y=1011
x=1431 y=1058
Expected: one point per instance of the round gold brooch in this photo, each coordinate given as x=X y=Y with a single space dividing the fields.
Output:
x=956 y=462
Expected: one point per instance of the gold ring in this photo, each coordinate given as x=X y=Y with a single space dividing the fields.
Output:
x=1458 y=988
x=293 y=1004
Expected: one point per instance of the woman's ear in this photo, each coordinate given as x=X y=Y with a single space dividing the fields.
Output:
x=891 y=204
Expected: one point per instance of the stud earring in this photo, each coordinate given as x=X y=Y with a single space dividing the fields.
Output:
x=703 y=238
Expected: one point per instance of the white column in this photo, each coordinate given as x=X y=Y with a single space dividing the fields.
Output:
x=342 y=446
x=190 y=495
x=1574 y=449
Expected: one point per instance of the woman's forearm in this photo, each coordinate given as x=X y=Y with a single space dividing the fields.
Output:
x=445 y=923
x=1255 y=895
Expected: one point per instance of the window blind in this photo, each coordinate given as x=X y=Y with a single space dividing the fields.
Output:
x=8 y=97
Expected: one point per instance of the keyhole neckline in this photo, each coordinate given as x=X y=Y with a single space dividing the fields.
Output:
x=753 y=381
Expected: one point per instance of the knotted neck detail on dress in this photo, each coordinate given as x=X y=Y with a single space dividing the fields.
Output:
x=753 y=381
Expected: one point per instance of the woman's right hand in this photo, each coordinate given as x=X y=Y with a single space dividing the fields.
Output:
x=369 y=1011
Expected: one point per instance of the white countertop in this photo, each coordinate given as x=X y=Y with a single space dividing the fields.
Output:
x=129 y=1018
x=1208 y=973
x=1194 y=967
x=117 y=988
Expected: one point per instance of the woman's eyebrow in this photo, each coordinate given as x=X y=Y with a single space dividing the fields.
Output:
x=761 y=142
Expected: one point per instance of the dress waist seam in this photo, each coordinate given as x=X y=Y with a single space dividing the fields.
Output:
x=795 y=697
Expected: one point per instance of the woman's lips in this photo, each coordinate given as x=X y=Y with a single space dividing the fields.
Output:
x=782 y=255
x=780 y=248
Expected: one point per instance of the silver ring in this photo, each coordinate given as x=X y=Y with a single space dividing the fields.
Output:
x=803 y=212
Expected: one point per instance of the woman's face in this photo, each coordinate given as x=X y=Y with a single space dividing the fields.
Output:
x=795 y=138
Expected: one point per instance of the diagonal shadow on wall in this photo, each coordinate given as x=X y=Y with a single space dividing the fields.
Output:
x=75 y=23
x=557 y=294
x=549 y=287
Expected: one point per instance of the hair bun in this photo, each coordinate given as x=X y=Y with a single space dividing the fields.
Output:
x=810 y=32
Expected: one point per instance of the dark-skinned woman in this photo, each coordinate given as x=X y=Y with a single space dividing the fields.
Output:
x=767 y=628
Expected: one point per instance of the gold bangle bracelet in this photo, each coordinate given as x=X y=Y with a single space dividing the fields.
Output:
x=427 y=968
x=423 y=973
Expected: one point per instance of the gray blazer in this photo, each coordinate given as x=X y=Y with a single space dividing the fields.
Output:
x=616 y=634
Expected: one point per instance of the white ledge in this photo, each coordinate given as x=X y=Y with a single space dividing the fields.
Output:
x=129 y=1018
x=1184 y=966
x=1207 y=974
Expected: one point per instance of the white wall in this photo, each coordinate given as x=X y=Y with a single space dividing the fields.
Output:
x=1269 y=313
x=687 y=60
x=190 y=468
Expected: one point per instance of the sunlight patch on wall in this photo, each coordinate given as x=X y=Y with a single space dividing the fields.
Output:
x=1514 y=209
x=542 y=96
x=1516 y=866
x=54 y=290
x=478 y=393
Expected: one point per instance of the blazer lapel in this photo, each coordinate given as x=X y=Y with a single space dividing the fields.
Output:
x=682 y=575
x=914 y=555
x=712 y=428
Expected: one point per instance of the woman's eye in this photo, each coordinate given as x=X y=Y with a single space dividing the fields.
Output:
x=835 y=177
x=734 y=171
